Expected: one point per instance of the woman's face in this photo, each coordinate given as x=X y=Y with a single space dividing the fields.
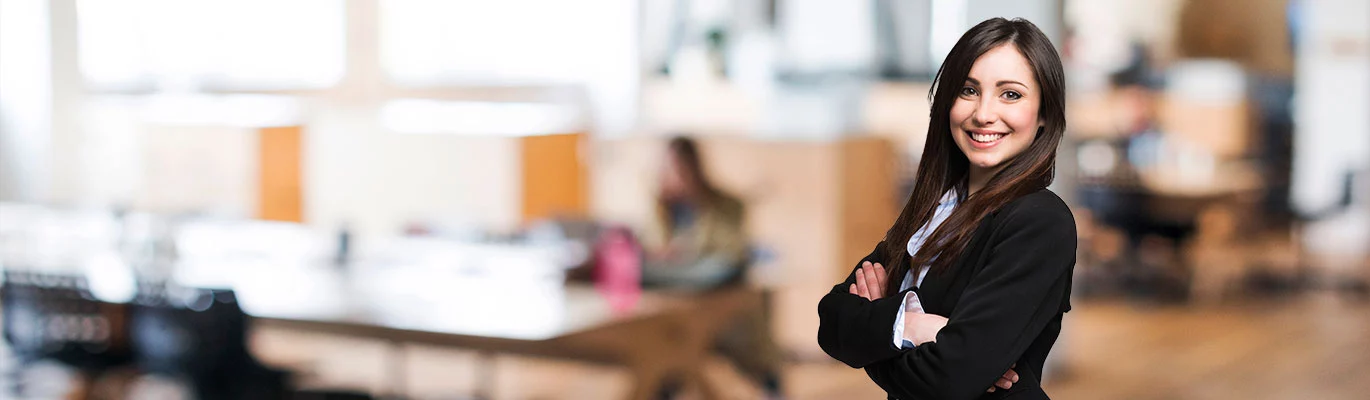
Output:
x=673 y=183
x=994 y=117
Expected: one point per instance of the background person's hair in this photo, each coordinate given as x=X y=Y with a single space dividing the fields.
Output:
x=944 y=167
x=686 y=152
x=702 y=190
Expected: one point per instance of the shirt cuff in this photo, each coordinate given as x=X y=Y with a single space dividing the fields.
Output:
x=911 y=303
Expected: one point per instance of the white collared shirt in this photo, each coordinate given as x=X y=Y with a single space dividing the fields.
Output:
x=948 y=202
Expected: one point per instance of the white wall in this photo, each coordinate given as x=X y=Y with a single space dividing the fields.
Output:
x=355 y=171
x=359 y=174
x=25 y=100
x=1332 y=95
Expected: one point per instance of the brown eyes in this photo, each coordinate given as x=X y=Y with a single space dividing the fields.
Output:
x=1012 y=95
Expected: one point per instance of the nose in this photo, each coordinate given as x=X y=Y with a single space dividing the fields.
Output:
x=985 y=112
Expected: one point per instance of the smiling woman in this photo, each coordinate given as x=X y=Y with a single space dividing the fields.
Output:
x=980 y=259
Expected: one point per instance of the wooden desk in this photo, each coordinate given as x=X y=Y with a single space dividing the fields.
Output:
x=1170 y=203
x=663 y=334
x=1228 y=180
x=1176 y=197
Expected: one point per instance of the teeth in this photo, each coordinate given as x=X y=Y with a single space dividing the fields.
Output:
x=985 y=138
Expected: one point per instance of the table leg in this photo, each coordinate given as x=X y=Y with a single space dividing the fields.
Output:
x=398 y=373
x=646 y=382
x=694 y=376
x=485 y=375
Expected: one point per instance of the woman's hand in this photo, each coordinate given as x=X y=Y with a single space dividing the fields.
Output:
x=670 y=251
x=1006 y=381
x=920 y=327
x=870 y=281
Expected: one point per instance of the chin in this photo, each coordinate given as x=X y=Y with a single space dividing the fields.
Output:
x=986 y=164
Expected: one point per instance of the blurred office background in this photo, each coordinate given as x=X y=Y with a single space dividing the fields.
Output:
x=407 y=198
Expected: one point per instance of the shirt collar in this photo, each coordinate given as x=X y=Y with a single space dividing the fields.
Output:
x=949 y=199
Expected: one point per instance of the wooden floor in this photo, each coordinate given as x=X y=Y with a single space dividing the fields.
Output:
x=1313 y=347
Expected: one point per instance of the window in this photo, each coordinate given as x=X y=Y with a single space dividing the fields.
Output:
x=514 y=42
x=587 y=46
x=198 y=44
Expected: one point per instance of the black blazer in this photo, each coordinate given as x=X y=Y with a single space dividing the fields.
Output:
x=1004 y=298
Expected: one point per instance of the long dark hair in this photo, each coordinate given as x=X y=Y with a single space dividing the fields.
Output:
x=703 y=192
x=945 y=168
x=686 y=152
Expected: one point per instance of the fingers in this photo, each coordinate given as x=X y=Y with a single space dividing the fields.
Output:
x=871 y=280
x=1003 y=383
x=873 y=286
x=861 y=288
x=1010 y=377
x=884 y=276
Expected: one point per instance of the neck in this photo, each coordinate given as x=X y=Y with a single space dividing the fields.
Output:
x=979 y=176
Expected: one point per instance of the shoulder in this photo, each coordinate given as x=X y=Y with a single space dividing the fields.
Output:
x=1042 y=205
x=732 y=201
x=1040 y=213
x=1037 y=225
x=730 y=206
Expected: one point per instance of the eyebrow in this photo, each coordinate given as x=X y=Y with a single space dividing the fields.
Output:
x=1001 y=83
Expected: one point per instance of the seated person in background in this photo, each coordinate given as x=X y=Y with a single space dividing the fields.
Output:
x=704 y=246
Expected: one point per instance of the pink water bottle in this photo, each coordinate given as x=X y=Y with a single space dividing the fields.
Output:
x=618 y=268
